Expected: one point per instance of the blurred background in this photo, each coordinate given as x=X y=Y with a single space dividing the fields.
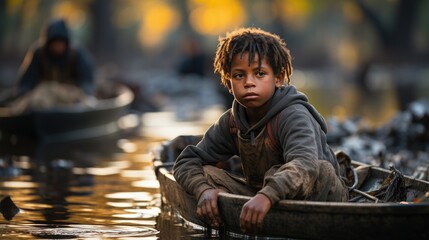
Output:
x=352 y=58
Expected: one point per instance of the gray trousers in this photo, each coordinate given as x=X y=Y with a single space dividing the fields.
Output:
x=327 y=187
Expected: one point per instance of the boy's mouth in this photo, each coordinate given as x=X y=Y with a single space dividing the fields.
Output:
x=250 y=95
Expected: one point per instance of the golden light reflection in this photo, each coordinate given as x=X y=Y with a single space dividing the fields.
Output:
x=137 y=222
x=24 y=158
x=35 y=206
x=146 y=157
x=114 y=167
x=23 y=163
x=148 y=184
x=127 y=146
x=81 y=188
x=145 y=173
x=147 y=211
x=86 y=210
x=144 y=204
x=158 y=18
x=136 y=196
x=19 y=184
x=133 y=215
x=216 y=17
x=120 y=164
x=79 y=171
x=25 y=196
x=128 y=121
x=120 y=204
x=100 y=221
x=103 y=171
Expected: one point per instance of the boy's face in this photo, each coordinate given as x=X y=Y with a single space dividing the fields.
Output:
x=252 y=86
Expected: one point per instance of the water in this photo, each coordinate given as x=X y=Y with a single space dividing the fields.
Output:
x=92 y=189
x=102 y=188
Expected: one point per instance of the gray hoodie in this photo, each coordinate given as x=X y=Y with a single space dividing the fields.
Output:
x=300 y=135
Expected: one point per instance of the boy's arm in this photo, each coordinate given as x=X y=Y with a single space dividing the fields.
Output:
x=216 y=145
x=300 y=137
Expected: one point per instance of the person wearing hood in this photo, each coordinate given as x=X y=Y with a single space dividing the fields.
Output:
x=53 y=61
x=278 y=135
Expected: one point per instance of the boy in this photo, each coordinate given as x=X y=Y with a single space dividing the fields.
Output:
x=280 y=138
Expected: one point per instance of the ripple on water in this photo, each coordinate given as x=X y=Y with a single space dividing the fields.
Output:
x=82 y=231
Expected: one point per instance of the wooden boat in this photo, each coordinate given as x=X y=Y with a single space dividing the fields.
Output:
x=309 y=219
x=68 y=122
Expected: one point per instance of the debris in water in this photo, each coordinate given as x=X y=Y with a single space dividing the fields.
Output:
x=402 y=142
x=8 y=208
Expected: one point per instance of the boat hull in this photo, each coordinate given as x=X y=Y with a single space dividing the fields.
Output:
x=321 y=220
x=314 y=220
x=69 y=122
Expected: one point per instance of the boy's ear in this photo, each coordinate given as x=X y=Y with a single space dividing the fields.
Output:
x=227 y=81
x=279 y=79
x=228 y=85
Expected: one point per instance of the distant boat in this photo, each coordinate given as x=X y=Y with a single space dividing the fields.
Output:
x=68 y=122
x=310 y=219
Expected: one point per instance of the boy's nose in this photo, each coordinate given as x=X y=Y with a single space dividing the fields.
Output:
x=249 y=81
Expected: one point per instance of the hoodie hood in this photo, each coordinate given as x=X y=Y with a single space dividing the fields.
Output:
x=56 y=29
x=283 y=97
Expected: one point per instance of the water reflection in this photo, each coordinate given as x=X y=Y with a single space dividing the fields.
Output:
x=73 y=231
x=90 y=188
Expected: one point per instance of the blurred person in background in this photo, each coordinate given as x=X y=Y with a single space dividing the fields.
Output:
x=53 y=72
x=195 y=62
x=194 y=59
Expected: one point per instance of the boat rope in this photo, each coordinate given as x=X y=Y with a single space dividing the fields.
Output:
x=355 y=179
x=376 y=200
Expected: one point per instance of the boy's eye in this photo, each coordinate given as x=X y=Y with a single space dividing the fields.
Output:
x=260 y=73
x=237 y=75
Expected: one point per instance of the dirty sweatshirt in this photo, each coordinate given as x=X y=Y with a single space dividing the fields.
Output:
x=300 y=137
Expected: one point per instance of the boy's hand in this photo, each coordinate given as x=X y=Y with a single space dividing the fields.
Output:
x=207 y=208
x=253 y=213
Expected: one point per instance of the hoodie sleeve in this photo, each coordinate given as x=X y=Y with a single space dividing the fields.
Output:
x=215 y=146
x=30 y=70
x=300 y=137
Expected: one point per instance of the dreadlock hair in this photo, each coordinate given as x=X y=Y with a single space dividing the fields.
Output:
x=256 y=42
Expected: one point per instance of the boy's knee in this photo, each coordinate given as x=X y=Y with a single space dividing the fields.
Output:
x=216 y=177
x=326 y=168
x=338 y=191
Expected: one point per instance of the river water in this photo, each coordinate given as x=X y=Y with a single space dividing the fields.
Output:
x=102 y=188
